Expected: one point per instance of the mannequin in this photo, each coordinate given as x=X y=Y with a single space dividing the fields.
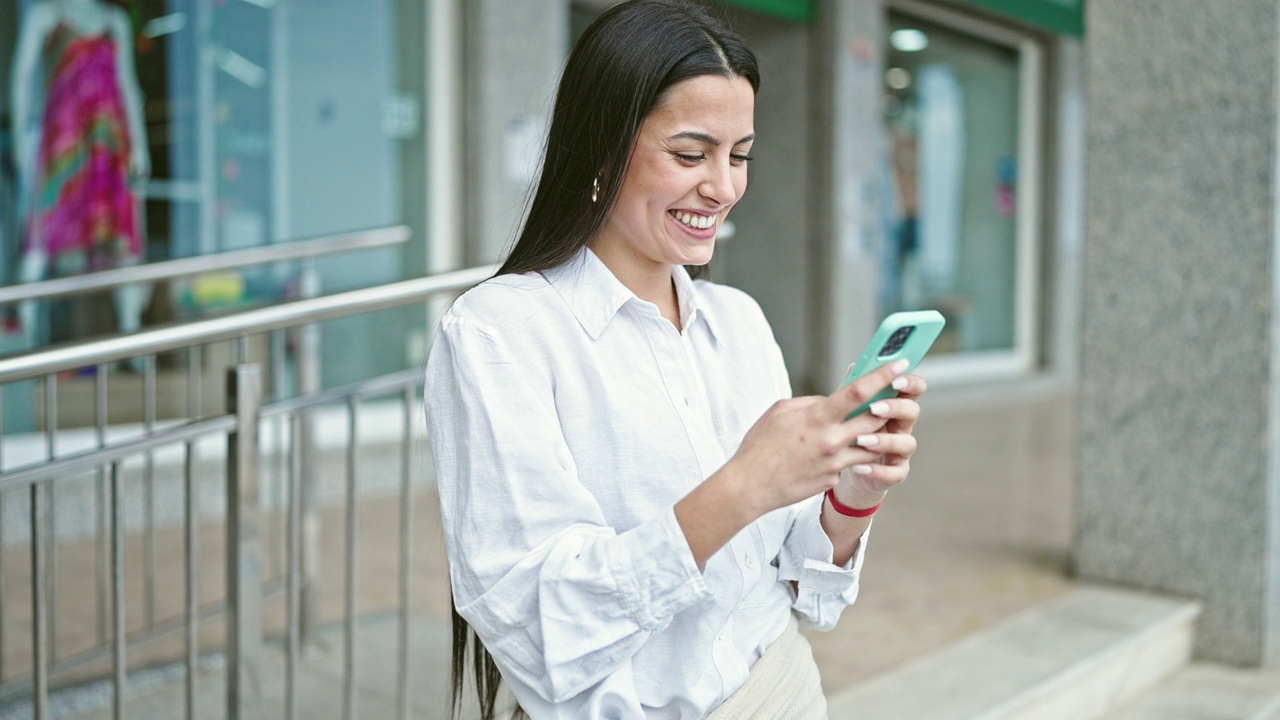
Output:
x=78 y=151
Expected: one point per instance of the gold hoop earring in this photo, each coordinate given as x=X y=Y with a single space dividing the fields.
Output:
x=595 y=189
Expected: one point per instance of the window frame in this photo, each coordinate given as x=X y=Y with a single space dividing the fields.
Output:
x=1023 y=358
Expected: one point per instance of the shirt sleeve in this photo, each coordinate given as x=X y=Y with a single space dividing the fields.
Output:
x=559 y=598
x=823 y=589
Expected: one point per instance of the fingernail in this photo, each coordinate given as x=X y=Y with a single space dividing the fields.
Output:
x=861 y=469
x=879 y=408
x=901 y=366
x=899 y=383
x=868 y=440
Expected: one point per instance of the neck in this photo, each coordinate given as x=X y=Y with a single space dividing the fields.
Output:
x=649 y=281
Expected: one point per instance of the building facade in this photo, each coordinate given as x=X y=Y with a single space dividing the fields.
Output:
x=912 y=154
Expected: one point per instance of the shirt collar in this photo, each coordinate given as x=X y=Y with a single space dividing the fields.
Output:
x=595 y=295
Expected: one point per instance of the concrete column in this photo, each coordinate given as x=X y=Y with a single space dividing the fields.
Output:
x=1180 y=349
x=846 y=66
x=514 y=54
x=768 y=254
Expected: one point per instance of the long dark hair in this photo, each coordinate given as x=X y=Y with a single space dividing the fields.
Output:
x=619 y=71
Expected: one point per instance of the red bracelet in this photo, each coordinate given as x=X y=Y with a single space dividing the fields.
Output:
x=848 y=511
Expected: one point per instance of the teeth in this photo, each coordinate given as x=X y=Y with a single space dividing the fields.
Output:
x=699 y=222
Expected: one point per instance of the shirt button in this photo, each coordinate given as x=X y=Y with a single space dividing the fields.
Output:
x=686 y=401
x=751 y=562
x=810 y=571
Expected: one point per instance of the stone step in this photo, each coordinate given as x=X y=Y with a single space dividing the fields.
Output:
x=1079 y=657
x=1209 y=692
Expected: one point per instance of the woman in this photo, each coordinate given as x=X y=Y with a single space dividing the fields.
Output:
x=633 y=507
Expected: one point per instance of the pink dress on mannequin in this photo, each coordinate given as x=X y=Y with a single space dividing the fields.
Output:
x=85 y=215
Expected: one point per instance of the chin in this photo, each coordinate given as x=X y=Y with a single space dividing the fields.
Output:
x=697 y=257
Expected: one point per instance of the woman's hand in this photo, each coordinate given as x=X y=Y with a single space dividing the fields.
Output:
x=802 y=446
x=885 y=462
x=886 y=458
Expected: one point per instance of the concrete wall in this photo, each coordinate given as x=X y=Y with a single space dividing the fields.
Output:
x=513 y=56
x=1178 y=477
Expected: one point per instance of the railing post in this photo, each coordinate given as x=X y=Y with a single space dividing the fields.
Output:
x=308 y=373
x=244 y=542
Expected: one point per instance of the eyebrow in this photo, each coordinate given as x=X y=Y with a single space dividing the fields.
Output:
x=703 y=137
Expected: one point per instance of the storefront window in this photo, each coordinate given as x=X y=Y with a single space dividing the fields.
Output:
x=957 y=237
x=206 y=127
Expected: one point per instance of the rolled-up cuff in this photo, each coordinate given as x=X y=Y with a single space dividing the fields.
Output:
x=823 y=589
x=656 y=572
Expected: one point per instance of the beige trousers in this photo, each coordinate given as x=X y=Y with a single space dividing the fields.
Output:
x=783 y=685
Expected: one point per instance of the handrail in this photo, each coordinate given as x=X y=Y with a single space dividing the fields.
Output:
x=361 y=388
x=184 y=267
x=39 y=363
x=69 y=465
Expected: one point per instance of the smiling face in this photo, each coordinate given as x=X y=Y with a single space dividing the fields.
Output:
x=687 y=169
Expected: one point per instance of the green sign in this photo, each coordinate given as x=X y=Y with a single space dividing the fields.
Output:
x=797 y=10
x=1065 y=17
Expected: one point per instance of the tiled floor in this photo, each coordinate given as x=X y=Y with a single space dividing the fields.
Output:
x=980 y=532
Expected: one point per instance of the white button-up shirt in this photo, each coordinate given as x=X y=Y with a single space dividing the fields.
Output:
x=567 y=417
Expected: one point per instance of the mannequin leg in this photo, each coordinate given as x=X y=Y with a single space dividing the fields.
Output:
x=34 y=267
x=130 y=301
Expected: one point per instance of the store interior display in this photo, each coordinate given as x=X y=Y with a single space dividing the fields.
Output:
x=951 y=114
x=80 y=153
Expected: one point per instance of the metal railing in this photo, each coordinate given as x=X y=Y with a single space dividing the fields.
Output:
x=305 y=249
x=242 y=424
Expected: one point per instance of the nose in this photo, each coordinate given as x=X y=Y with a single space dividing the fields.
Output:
x=718 y=185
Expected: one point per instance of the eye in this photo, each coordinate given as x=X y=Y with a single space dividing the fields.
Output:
x=740 y=159
x=690 y=158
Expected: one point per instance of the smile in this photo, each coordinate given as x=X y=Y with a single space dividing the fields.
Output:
x=697 y=222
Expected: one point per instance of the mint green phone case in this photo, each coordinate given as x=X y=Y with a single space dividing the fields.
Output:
x=901 y=335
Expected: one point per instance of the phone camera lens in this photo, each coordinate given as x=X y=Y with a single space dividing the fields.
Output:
x=896 y=340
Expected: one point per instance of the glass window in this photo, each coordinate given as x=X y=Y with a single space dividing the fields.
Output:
x=219 y=126
x=954 y=119
x=143 y=131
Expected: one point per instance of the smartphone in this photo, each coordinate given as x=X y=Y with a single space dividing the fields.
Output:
x=901 y=335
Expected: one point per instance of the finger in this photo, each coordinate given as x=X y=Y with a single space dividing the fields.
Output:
x=851 y=456
x=910 y=386
x=851 y=396
x=906 y=425
x=859 y=425
x=899 y=409
x=900 y=444
x=883 y=475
